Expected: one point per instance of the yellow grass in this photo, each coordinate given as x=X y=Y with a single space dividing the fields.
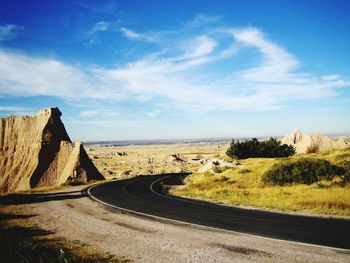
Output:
x=243 y=186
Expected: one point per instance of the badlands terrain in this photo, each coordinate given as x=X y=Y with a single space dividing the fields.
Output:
x=122 y=162
x=72 y=221
x=216 y=177
x=44 y=218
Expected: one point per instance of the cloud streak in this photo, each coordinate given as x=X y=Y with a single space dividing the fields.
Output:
x=177 y=75
x=14 y=109
x=132 y=35
x=8 y=31
x=99 y=113
x=17 y=110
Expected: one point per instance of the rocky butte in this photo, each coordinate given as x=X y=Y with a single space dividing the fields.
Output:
x=302 y=142
x=36 y=151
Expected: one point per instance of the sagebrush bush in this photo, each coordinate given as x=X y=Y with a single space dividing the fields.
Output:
x=302 y=171
x=313 y=148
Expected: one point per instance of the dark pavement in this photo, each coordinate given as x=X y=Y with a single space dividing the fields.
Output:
x=136 y=194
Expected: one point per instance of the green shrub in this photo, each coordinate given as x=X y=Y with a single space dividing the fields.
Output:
x=345 y=165
x=254 y=148
x=346 y=177
x=302 y=171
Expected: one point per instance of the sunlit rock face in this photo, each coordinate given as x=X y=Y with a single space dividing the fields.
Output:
x=302 y=142
x=37 y=151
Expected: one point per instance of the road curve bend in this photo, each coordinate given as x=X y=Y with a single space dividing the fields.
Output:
x=143 y=195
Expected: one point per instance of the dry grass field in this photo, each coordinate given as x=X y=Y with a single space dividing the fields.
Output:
x=243 y=185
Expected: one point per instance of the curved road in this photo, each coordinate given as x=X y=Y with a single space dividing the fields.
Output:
x=143 y=195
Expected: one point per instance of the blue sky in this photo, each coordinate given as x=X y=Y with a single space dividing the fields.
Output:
x=123 y=70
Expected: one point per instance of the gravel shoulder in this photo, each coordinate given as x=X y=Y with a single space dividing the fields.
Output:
x=72 y=215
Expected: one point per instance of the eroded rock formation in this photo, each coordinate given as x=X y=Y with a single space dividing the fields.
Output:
x=37 y=151
x=304 y=142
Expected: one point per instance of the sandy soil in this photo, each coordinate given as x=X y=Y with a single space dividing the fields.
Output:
x=74 y=216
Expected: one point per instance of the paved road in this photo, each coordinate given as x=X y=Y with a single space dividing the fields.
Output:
x=142 y=194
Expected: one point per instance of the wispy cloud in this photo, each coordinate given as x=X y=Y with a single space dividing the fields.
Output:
x=8 y=31
x=177 y=74
x=132 y=35
x=93 y=35
x=201 y=20
x=14 y=109
x=105 y=123
x=278 y=76
x=152 y=114
x=100 y=26
x=203 y=45
x=6 y=110
x=99 y=113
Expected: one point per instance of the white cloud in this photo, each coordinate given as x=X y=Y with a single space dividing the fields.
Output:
x=8 y=31
x=105 y=123
x=149 y=37
x=98 y=27
x=14 y=109
x=152 y=114
x=202 y=20
x=276 y=61
x=203 y=45
x=22 y=75
x=129 y=33
x=267 y=86
x=99 y=112
x=175 y=76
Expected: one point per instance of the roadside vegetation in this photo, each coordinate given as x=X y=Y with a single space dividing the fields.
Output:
x=317 y=182
x=22 y=242
x=304 y=171
x=67 y=185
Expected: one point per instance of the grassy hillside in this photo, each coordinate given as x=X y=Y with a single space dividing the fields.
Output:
x=243 y=185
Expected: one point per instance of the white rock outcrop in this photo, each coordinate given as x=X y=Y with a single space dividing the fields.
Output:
x=210 y=165
x=302 y=142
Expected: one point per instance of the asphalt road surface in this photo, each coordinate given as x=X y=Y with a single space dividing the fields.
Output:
x=143 y=195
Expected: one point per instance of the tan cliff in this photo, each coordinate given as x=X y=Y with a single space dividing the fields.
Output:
x=37 y=151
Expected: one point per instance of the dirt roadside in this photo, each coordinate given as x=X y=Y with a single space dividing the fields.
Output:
x=72 y=215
